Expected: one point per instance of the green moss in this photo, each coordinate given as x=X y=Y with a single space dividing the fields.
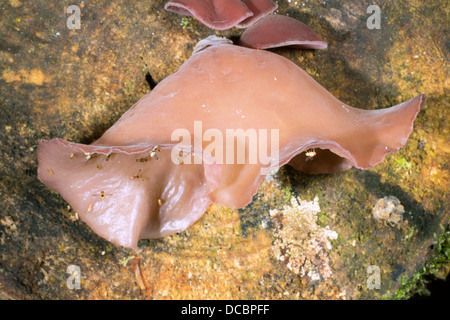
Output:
x=322 y=219
x=416 y=283
x=124 y=261
x=287 y=194
x=186 y=23
x=402 y=163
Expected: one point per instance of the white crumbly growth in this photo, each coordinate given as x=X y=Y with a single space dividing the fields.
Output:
x=300 y=242
x=271 y=175
x=389 y=211
x=210 y=41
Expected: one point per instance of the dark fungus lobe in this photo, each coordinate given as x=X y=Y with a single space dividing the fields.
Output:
x=279 y=31
x=216 y=14
x=260 y=8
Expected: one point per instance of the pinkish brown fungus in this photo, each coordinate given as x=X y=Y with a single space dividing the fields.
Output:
x=260 y=8
x=279 y=31
x=216 y=14
x=142 y=179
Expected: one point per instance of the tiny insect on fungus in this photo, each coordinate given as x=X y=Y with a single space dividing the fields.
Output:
x=153 y=152
x=310 y=154
x=90 y=156
x=102 y=195
x=136 y=177
x=152 y=155
x=181 y=158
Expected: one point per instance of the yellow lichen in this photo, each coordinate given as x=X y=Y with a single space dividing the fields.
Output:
x=15 y=3
x=34 y=76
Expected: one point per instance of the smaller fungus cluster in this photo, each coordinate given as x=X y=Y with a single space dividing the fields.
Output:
x=265 y=30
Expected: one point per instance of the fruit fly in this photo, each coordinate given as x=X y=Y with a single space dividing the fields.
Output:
x=90 y=156
x=181 y=159
x=152 y=154
x=310 y=154
x=102 y=195
x=138 y=176
x=154 y=150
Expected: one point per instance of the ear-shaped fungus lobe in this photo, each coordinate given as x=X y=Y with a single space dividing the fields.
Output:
x=260 y=8
x=216 y=14
x=124 y=194
x=279 y=31
x=367 y=141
